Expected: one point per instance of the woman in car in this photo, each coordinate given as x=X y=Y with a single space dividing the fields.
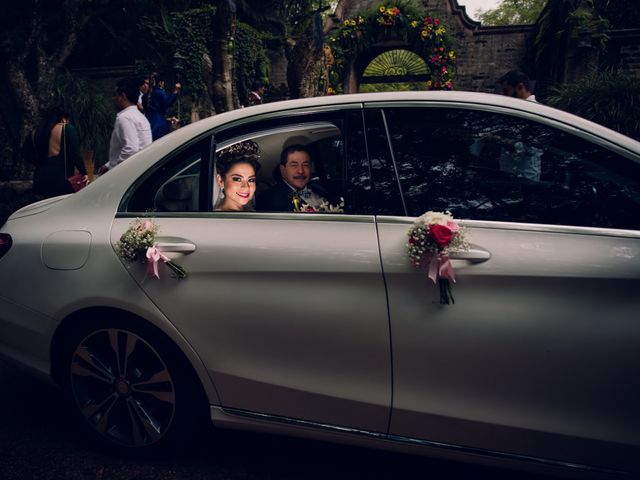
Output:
x=237 y=167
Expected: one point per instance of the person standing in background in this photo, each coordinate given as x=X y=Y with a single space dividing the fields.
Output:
x=517 y=84
x=256 y=95
x=157 y=104
x=56 y=154
x=131 y=131
x=144 y=89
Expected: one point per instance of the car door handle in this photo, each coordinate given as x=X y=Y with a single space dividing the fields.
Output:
x=177 y=247
x=474 y=255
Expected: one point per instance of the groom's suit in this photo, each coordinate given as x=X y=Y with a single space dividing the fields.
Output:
x=279 y=198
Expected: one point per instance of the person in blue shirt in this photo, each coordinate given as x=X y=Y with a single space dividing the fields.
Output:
x=156 y=105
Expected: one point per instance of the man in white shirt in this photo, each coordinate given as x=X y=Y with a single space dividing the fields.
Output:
x=517 y=84
x=143 y=90
x=131 y=132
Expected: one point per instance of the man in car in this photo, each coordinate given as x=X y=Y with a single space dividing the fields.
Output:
x=294 y=184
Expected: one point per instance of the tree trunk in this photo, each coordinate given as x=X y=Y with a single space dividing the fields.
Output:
x=224 y=22
x=305 y=61
x=32 y=58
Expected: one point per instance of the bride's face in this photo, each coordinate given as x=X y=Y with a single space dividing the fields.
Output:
x=239 y=186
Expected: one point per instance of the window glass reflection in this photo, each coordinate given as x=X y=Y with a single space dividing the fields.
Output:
x=488 y=166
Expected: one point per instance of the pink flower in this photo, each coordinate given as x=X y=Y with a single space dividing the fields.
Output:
x=453 y=226
x=147 y=225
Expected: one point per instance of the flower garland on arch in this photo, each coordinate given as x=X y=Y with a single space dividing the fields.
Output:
x=424 y=34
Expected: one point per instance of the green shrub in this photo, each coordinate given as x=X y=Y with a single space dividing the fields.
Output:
x=610 y=98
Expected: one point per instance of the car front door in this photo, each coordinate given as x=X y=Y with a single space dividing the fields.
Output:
x=538 y=356
x=286 y=310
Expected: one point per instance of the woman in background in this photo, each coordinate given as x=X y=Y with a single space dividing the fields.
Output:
x=54 y=141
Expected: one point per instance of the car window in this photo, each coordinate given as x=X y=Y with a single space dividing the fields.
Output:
x=491 y=166
x=387 y=198
x=323 y=137
x=175 y=185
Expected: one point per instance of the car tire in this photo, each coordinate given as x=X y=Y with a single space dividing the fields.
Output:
x=131 y=387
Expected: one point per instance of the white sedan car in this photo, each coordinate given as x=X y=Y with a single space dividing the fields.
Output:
x=318 y=324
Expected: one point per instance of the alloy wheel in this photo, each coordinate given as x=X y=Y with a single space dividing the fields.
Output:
x=122 y=387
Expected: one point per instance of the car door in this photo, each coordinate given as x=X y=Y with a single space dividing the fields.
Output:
x=538 y=356
x=286 y=310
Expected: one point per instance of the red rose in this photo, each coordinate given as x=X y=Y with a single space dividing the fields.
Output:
x=441 y=234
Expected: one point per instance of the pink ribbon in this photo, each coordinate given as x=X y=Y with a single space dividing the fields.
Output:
x=154 y=255
x=440 y=267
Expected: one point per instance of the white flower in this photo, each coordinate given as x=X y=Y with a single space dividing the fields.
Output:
x=436 y=218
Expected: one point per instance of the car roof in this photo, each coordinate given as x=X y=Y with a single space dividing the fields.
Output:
x=482 y=100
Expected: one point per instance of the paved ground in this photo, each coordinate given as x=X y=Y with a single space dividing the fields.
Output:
x=38 y=440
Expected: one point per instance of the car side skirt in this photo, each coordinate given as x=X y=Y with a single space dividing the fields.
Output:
x=259 y=422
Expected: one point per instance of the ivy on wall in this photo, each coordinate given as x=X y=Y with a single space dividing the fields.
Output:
x=423 y=34
x=251 y=60
x=185 y=36
x=192 y=37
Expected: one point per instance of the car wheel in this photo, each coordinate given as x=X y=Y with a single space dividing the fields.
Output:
x=130 y=389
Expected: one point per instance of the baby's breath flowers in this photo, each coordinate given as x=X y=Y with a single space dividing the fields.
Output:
x=300 y=206
x=137 y=243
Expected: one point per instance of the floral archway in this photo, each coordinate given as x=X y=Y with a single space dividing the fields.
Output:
x=386 y=28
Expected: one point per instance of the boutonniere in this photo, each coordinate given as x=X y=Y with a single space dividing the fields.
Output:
x=300 y=206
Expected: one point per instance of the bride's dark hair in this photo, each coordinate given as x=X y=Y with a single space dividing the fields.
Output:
x=243 y=152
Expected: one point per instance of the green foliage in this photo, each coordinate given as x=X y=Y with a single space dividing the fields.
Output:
x=561 y=23
x=620 y=14
x=423 y=34
x=513 y=12
x=586 y=17
x=92 y=113
x=251 y=58
x=611 y=98
x=184 y=34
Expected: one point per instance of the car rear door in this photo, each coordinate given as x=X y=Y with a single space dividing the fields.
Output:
x=537 y=357
x=286 y=310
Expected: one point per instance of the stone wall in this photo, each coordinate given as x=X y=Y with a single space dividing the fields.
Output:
x=623 y=51
x=484 y=53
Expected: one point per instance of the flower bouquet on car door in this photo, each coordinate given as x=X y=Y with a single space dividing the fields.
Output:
x=431 y=238
x=138 y=242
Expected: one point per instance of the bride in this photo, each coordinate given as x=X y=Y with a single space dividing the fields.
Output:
x=237 y=167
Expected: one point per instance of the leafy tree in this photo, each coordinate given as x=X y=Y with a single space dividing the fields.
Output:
x=513 y=12
x=296 y=27
x=559 y=25
x=34 y=47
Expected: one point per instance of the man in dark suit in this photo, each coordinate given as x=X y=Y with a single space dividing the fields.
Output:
x=295 y=173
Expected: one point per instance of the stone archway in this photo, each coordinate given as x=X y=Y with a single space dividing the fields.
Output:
x=350 y=49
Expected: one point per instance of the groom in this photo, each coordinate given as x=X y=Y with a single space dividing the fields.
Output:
x=295 y=173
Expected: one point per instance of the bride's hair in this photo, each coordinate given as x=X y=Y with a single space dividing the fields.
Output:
x=242 y=152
